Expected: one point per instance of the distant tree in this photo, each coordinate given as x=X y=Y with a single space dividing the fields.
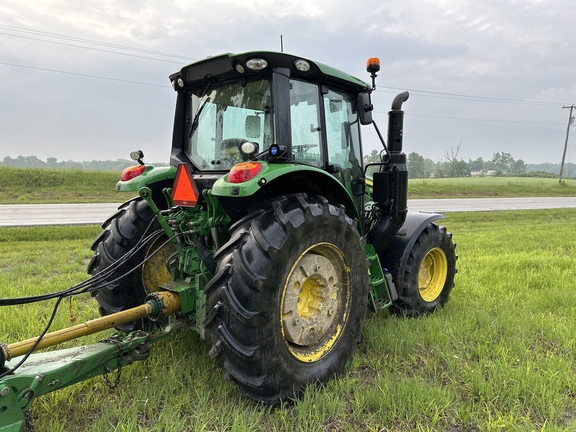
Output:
x=518 y=167
x=489 y=165
x=8 y=161
x=372 y=157
x=33 y=161
x=552 y=168
x=451 y=156
x=461 y=169
x=441 y=169
x=455 y=166
x=429 y=166
x=416 y=166
x=504 y=163
x=476 y=165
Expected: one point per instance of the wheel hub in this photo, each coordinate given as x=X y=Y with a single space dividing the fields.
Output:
x=311 y=300
x=432 y=274
x=154 y=271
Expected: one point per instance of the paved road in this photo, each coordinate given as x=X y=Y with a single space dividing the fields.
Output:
x=86 y=214
x=54 y=214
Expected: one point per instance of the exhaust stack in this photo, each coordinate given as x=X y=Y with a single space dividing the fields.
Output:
x=391 y=182
x=396 y=123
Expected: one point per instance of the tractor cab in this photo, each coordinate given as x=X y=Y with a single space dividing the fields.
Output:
x=271 y=108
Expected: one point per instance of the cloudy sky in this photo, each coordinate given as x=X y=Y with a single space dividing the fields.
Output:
x=89 y=80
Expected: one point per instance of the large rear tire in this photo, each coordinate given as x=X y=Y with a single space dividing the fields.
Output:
x=288 y=301
x=122 y=232
x=429 y=273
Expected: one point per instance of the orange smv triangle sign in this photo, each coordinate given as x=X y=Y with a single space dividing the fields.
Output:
x=184 y=192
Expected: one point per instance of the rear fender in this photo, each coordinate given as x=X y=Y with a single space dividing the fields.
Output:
x=150 y=176
x=154 y=178
x=395 y=255
x=275 y=180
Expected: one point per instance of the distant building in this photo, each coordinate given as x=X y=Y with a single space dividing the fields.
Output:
x=483 y=173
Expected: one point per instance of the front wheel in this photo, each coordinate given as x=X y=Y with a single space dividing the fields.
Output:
x=429 y=273
x=287 y=303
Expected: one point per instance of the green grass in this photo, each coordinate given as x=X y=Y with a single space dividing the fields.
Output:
x=43 y=186
x=46 y=186
x=501 y=356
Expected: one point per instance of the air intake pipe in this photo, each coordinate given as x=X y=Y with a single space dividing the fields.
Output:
x=391 y=181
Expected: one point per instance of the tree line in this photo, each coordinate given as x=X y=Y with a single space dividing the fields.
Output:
x=501 y=164
x=93 y=165
x=418 y=166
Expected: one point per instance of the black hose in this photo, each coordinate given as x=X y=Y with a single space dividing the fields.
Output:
x=205 y=256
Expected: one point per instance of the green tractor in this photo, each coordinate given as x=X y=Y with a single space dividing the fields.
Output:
x=290 y=238
x=266 y=233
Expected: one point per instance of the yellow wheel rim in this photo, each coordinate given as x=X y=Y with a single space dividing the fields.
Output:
x=154 y=271
x=315 y=302
x=432 y=274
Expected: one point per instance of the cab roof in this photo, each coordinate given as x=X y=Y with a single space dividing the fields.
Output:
x=232 y=66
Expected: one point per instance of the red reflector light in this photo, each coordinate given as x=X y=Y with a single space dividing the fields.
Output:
x=244 y=171
x=131 y=172
x=184 y=192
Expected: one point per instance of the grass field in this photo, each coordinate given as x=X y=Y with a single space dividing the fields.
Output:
x=492 y=187
x=42 y=186
x=501 y=356
x=45 y=186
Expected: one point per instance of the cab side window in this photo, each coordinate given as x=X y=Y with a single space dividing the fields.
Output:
x=343 y=134
x=305 y=123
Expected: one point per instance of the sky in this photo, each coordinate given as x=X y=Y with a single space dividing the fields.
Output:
x=89 y=80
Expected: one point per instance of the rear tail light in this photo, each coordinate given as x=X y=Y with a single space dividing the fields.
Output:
x=131 y=172
x=244 y=171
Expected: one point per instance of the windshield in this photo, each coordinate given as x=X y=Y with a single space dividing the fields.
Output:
x=223 y=119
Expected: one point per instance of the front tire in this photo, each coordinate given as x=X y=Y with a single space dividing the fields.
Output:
x=286 y=306
x=429 y=273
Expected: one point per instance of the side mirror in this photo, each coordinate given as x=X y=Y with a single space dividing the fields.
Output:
x=365 y=108
x=252 y=126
